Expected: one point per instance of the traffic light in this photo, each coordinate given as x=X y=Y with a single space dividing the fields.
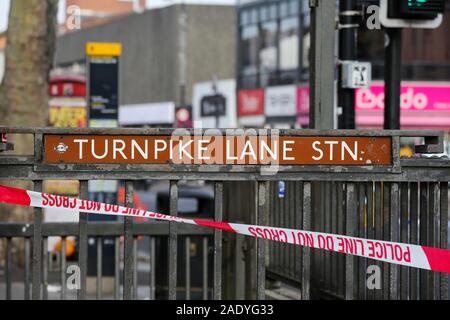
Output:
x=415 y=9
x=422 y=14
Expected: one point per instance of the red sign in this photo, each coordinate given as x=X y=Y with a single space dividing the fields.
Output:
x=67 y=87
x=251 y=102
x=414 y=97
x=3 y=138
x=424 y=105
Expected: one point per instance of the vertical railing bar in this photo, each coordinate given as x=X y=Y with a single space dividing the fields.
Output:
x=378 y=228
x=423 y=196
x=99 y=268
x=370 y=227
x=37 y=246
x=205 y=268
x=63 y=268
x=294 y=201
x=433 y=235
x=173 y=235
x=37 y=229
x=188 y=267
x=27 y=269
x=117 y=268
x=334 y=216
x=283 y=223
x=289 y=189
x=135 y=270
x=293 y=205
x=341 y=230
x=320 y=264
x=404 y=226
x=299 y=225
x=394 y=231
x=8 y=267
x=351 y=225
x=218 y=212
x=414 y=211
x=263 y=194
x=128 y=269
x=386 y=235
x=306 y=264
x=443 y=236
x=83 y=242
x=45 y=269
x=327 y=229
x=277 y=222
x=362 y=266
x=250 y=247
x=270 y=222
x=152 y=268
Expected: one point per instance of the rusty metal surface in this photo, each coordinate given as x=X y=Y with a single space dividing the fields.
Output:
x=217 y=150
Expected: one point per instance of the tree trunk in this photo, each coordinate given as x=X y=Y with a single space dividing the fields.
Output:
x=29 y=57
x=23 y=92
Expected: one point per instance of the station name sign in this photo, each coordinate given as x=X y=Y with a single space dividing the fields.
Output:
x=217 y=150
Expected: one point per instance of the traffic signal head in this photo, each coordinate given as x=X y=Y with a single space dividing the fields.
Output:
x=415 y=9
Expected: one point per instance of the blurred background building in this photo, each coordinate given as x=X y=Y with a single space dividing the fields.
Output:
x=272 y=69
x=156 y=71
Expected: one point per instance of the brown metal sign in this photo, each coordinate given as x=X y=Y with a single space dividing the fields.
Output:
x=217 y=150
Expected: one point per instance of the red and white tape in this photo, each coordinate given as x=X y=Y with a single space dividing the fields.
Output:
x=410 y=255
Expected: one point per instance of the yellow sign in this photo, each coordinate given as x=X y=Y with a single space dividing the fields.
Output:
x=96 y=49
x=66 y=187
x=67 y=117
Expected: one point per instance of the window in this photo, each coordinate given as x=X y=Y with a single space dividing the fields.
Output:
x=272 y=35
x=249 y=47
x=268 y=53
x=306 y=45
x=289 y=43
x=306 y=13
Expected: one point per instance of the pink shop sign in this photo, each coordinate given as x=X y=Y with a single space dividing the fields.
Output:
x=414 y=97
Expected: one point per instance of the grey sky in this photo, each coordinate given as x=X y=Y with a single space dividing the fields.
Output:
x=4 y=7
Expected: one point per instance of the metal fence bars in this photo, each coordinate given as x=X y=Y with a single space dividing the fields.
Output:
x=403 y=200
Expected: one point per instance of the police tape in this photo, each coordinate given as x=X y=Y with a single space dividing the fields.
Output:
x=409 y=255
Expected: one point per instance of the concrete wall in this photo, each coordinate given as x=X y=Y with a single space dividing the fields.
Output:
x=149 y=70
x=211 y=44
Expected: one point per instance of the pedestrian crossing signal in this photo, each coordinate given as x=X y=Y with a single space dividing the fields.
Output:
x=415 y=9
x=419 y=14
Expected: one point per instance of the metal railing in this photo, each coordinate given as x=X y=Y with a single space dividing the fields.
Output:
x=321 y=198
x=409 y=212
x=150 y=288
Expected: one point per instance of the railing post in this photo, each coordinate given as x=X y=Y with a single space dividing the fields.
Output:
x=306 y=263
x=37 y=248
x=351 y=230
x=128 y=246
x=173 y=241
x=8 y=267
x=218 y=211
x=83 y=242
x=263 y=202
x=444 y=236
x=395 y=237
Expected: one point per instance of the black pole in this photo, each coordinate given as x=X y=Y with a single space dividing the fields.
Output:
x=392 y=79
x=348 y=20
